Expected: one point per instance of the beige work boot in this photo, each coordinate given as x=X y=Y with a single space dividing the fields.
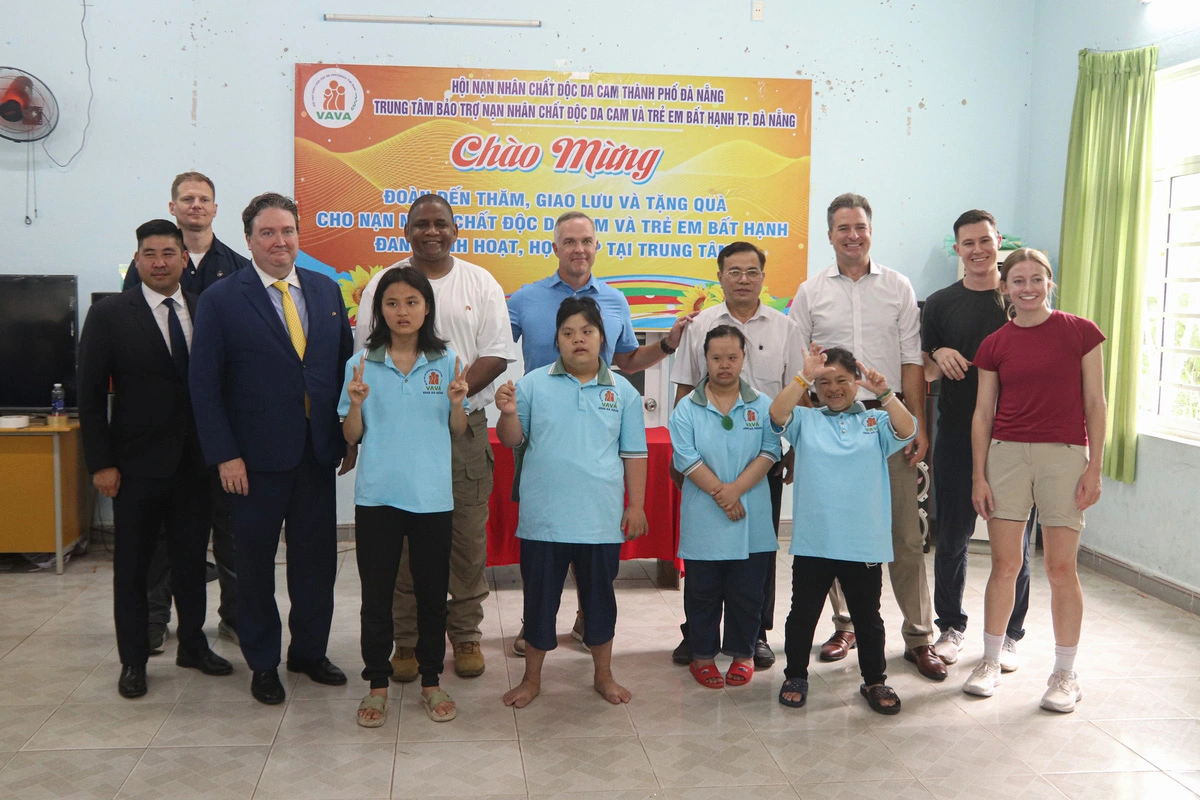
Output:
x=404 y=665
x=468 y=660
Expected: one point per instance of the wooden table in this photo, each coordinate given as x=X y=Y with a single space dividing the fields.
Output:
x=45 y=493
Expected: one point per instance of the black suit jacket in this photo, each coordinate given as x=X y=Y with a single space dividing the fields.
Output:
x=152 y=429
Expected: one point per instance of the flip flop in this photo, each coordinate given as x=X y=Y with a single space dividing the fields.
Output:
x=707 y=676
x=877 y=694
x=739 y=674
x=431 y=702
x=372 y=703
x=794 y=686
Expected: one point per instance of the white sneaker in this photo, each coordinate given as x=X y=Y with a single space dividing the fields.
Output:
x=519 y=643
x=1063 y=692
x=1008 y=656
x=948 y=644
x=984 y=679
x=577 y=632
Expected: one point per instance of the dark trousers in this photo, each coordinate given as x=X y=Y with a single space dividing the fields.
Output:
x=159 y=579
x=544 y=567
x=955 y=524
x=733 y=586
x=379 y=533
x=303 y=498
x=767 y=612
x=861 y=586
x=175 y=508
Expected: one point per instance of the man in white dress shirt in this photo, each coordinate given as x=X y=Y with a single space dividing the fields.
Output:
x=472 y=316
x=872 y=311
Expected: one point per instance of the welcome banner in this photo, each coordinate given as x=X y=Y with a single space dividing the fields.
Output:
x=671 y=168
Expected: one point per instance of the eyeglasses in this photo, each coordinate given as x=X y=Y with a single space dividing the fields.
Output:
x=737 y=274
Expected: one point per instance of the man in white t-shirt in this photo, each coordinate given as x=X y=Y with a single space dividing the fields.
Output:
x=470 y=314
x=773 y=356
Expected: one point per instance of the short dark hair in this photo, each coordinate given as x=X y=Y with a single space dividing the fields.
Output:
x=843 y=358
x=159 y=227
x=720 y=332
x=971 y=217
x=265 y=201
x=847 y=200
x=426 y=199
x=734 y=248
x=381 y=335
x=567 y=216
x=591 y=312
x=191 y=176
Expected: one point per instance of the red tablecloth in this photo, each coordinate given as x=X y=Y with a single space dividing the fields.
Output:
x=662 y=506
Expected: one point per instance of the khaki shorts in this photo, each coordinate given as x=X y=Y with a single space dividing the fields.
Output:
x=1022 y=474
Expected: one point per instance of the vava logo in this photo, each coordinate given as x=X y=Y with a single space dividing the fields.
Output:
x=433 y=382
x=608 y=400
x=333 y=97
x=752 y=420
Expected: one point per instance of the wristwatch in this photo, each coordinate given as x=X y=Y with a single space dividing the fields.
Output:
x=666 y=348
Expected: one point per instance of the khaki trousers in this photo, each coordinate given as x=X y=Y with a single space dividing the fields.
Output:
x=471 y=461
x=909 y=583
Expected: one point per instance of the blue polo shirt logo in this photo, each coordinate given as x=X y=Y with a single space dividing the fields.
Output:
x=608 y=401
x=433 y=382
x=753 y=423
x=870 y=425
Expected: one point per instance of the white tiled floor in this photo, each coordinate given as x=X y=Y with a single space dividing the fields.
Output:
x=65 y=733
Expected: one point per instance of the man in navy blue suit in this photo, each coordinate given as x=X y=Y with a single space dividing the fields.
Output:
x=266 y=372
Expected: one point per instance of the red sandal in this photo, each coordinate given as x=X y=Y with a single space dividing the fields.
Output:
x=739 y=673
x=707 y=676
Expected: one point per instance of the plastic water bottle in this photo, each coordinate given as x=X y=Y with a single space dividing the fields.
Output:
x=58 y=397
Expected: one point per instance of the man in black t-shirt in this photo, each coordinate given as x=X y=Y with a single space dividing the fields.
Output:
x=954 y=322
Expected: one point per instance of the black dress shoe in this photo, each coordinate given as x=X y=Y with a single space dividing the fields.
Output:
x=266 y=688
x=682 y=655
x=322 y=671
x=207 y=662
x=132 y=682
x=764 y=656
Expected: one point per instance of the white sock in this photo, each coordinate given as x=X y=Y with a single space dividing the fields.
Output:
x=992 y=646
x=1064 y=658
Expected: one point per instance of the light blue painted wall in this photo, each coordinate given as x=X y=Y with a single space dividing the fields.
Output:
x=207 y=84
x=918 y=105
x=1154 y=523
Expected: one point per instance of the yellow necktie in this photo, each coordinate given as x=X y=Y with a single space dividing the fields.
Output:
x=295 y=328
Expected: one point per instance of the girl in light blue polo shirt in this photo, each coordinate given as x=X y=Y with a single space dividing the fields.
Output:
x=842 y=502
x=403 y=398
x=584 y=441
x=724 y=446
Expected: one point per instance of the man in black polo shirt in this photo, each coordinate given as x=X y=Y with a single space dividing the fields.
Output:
x=193 y=205
x=954 y=322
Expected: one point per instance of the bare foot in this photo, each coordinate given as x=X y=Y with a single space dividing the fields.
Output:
x=522 y=695
x=370 y=713
x=612 y=691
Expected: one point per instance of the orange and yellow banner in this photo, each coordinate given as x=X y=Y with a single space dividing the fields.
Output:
x=671 y=168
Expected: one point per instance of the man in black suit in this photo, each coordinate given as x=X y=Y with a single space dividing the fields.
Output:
x=266 y=373
x=147 y=457
x=208 y=259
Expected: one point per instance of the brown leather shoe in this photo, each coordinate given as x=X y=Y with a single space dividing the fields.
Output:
x=928 y=664
x=838 y=645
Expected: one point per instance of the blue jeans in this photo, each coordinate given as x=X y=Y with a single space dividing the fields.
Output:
x=955 y=523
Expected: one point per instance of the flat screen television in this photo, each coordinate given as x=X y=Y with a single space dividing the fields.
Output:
x=38 y=335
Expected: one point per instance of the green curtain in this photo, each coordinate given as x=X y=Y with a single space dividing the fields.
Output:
x=1105 y=226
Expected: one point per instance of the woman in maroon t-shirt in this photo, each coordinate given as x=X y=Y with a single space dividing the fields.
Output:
x=1037 y=437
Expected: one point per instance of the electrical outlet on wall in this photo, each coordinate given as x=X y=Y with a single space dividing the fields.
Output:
x=756 y=10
